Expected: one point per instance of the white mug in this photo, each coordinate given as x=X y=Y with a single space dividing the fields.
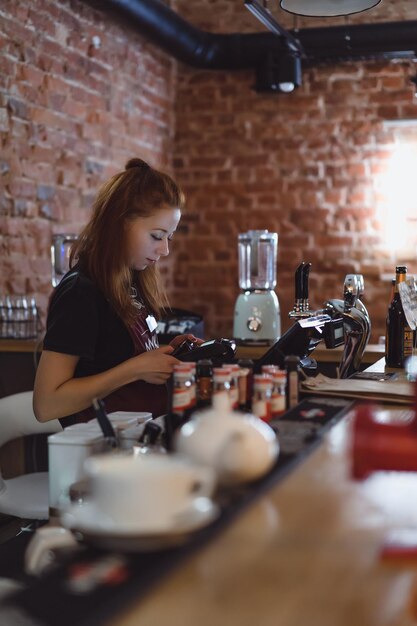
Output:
x=146 y=493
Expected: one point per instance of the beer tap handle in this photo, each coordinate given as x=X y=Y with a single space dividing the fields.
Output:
x=361 y=285
x=350 y=291
x=306 y=272
x=301 y=306
x=299 y=283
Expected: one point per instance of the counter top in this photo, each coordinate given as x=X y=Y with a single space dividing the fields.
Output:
x=21 y=345
x=372 y=353
x=322 y=354
x=306 y=553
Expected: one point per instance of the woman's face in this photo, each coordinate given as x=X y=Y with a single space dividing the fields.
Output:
x=148 y=237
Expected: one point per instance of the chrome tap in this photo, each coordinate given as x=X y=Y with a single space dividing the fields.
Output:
x=356 y=322
x=350 y=291
x=339 y=321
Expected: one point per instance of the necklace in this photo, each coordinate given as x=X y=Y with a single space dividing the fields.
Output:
x=137 y=301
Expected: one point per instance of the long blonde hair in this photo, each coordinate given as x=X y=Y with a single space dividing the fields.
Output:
x=138 y=191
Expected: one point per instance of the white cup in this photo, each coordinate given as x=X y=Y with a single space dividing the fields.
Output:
x=146 y=493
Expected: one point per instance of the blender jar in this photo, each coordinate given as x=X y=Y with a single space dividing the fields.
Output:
x=258 y=251
x=60 y=253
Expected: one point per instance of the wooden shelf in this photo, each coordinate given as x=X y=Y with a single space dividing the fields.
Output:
x=21 y=345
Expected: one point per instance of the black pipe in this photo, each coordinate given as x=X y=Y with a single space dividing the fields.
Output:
x=361 y=41
x=198 y=48
x=195 y=47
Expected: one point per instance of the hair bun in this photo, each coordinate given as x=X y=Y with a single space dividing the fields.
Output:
x=136 y=163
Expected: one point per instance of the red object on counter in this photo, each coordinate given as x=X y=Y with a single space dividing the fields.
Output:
x=400 y=546
x=382 y=446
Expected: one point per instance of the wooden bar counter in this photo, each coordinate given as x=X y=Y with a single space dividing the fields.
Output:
x=307 y=553
x=372 y=353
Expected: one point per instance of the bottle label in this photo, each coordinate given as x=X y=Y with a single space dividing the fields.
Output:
x=278 y=402
x=180 y=400
x=408 y=341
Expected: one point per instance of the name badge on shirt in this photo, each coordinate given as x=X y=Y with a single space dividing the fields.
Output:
x=151 y=323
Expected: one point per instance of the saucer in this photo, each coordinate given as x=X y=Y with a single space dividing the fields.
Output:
x=88 y=521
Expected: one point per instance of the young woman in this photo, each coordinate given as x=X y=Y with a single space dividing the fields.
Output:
x=101 y=339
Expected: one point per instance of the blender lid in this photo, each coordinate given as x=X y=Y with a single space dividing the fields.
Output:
x=261 y=235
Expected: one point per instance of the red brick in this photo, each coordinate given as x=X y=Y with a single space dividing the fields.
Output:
x=246 y=160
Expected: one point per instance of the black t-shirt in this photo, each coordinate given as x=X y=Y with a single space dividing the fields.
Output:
x=83 y=323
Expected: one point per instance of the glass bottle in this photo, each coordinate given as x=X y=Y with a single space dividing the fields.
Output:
x=246 y=383
x=221 y=383
x=399 y=336
x=204 y=375
x=34 y=318
x=292 y=364
x=10 y=316
x=3 y=318
x=181 y=394
x=261 y=400
x=148 y=442
x=278 y=397
x=234 y=384
x=392 y=292
x=193 y=389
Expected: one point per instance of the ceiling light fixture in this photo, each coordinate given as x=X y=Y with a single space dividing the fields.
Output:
x=278 y=73
x=280 y=68
x=327 y=8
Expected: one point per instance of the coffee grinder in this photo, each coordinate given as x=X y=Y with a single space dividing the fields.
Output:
x=257 y=314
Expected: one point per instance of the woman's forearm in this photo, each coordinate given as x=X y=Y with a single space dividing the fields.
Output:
x=57 y=393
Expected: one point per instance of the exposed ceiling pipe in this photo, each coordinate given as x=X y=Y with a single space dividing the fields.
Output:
x=168 y=30
x=195 y=47
x=262 y=51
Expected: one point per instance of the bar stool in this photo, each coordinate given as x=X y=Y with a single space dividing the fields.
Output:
x=25 y=496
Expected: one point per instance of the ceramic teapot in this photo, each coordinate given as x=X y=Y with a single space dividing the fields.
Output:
x=240 y=447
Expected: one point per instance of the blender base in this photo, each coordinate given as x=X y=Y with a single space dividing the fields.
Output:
x=257 y=318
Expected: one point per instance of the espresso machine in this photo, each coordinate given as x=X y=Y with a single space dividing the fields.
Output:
x=257 y=318
x=340 y=322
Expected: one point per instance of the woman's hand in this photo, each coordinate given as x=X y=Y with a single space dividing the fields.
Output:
x=58 y=393
x=156 y=366
x=180 y=338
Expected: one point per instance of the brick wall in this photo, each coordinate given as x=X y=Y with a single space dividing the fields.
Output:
x=303 y=165
x=70 y=116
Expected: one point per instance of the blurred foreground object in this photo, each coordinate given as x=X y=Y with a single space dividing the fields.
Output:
x=379 y=445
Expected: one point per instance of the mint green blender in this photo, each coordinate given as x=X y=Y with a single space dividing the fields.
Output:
x=257 y=314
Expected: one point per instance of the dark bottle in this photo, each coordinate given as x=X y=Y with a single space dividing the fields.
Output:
x=204 y=376
x=246 y=381
x=399 y=336
x=392 y=293
x=292 y=365
x=180 y=403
